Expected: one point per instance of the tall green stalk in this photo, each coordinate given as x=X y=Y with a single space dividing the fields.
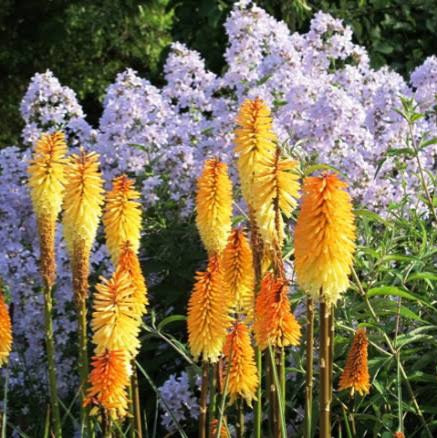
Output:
x=309 y=369
x=203 y=414
x=325 y=391
x=136 y=405
x=50 y=348
x=258 y=402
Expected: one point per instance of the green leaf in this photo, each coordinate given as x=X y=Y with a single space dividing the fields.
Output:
x=394 y=291
x=370 y=215
x=422 y=276
x=169 y=320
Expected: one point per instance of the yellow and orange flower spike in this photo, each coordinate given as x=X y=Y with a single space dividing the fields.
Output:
x=224 y=433
x=208 y=312
x=46 y=182
x=128 y=263
x=356 y=371
x=243 y=375
x=108 y=380
x=277 y=191
x=239 y=272
x=82 y=209
x=274 y=322
x=324 y=238
x=255 y=142
x=114 y=321
x=214 y=205
x=122 y=216
x=5 y=330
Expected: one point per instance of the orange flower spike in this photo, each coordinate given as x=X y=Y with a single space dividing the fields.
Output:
x=274 y=322
x=5 y=330
x=399 y=435
x=254 y=140
x=208 y=312
x=356 y=372
x=128 y=263
x=238 y=271
x=214 y=205
x=243 y=377
x=109 y=379
x=324 y=238
x=223 y=431
x=122 y=216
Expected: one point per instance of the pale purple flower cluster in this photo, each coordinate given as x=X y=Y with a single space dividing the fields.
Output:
x=329 y=106
x=178 y=396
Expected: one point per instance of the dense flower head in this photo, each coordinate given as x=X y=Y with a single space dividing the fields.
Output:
x=324 y=238
x=46 y=174
x=109 y=379
x=277 y=190
x=239 y=272
x=5 y=330
x=356 y=371
x=114 y=321
x=83 y=199
x=274 y=322
x=254 y=140
x=243 y=376
x=208 y=312
x=129 y=263
x=122 y=216
x=214 y=205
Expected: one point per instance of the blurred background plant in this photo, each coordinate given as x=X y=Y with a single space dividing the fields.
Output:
x=86 y=43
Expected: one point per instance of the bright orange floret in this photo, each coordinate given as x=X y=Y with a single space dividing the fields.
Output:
x=274 y=322
x=114 y=321
x=108 y=379
x=356 y=372
x=277 y=191
x=255 y=141
x=243 y=377
x=214 y=205
x=5 y=331
x=324 y=238
x=122 y=216
x=208 y=312
x=238 y=271
x=128 y=262
x=399 y=435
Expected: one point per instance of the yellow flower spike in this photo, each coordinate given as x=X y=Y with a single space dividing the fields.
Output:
x=239 y=272
x=108 y=380
x=208 y=312
x=83 y=199
x=243 y=377
x=5 y=330
x=274 y=322
x=277 y=191
x=255 y=142
x=114 y=321
x=214 y=205
x=324 y=238
x=46 y=182
x=122 y=216
x=356 y=372
x=128 y=263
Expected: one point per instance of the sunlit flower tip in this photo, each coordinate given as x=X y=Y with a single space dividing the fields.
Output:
x=129 y=263
x=274 y=322
x=108 y=380
x=277 y=191
x=5 y=330
x=46 y=175
x=243 y=377
x=224 y=433
x=255 y=141
x=238 y=271
x=356 y=372
x=214 y=205
x=114 y=320
x=398 y=435
x=208 y=312
x=324 y=238
x=122 y=216
x=82 y=200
